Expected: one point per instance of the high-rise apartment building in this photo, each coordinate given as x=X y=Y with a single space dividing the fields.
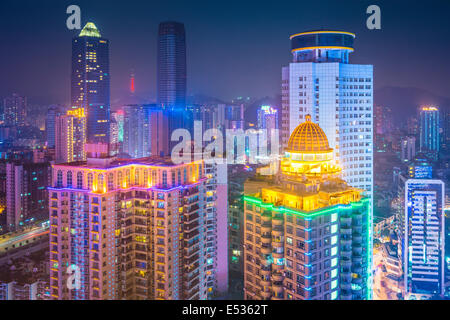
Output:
x=90 y=81
x=429 y=130
x=70 y=136
x=15 y=110
x=338 y=95
x=135 y=229
x=423 y=239
x=308 y=234
x=26 y=194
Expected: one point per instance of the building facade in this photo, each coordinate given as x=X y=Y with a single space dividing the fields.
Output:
x=307 y=233
x=50 y=125
x=90 y=81
x=133 y=229
x=70 y=136
x=15 y=110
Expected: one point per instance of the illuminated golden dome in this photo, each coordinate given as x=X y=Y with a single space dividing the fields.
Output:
x=308 y=137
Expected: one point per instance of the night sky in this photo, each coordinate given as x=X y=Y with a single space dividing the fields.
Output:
x=234 y=48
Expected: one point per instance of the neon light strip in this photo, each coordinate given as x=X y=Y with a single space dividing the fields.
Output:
x=316 y=32
x=322 y=47
x=305 y=213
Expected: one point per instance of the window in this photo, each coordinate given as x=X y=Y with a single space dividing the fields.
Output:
x=90 y=179
x=128 y=177
x=80 y=180
x=119 y=179
x=101 y=182
x=69 y=179
x=164 y=178
x=59 y=179
x=110 y=181
x=137 y=177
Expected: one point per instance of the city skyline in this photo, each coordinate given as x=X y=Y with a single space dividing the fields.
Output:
x=207 y=46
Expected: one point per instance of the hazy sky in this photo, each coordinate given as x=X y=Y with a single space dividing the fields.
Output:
x=234 y=48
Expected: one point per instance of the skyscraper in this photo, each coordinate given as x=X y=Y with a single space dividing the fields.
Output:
x=137 y=131
x=338 y=95
x=408 y=145
x=50 y=124
x=171 y=65
x=424 y=239
x=136 y=229
x=70 y=140
x=90 y=81
x=308 y=234
x=15 y=110
x=429 y=130
x=171 y=82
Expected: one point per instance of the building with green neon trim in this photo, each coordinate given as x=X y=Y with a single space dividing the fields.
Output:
x=307 y=234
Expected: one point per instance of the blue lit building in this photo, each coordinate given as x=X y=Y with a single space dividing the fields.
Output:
x=429 y=130
x=171 y=66
x=90 y=81
x=50 y=125
x=423 y=242
x=171 y=79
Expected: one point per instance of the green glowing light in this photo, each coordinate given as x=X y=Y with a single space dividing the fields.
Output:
x=313 y=213
x=90 y=30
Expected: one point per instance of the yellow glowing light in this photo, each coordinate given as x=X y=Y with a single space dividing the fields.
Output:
x=315 y=32
x=430 y=108
x=78 y=112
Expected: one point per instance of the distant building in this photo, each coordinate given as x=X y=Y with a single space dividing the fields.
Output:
x=408 y=145
x=90 y=81
x=15 y=110
x=267 y=118
x=50 y=125
x=26 y=194
x=171 y=76
x=70 y=137
x=429 y=130
x=137 y=138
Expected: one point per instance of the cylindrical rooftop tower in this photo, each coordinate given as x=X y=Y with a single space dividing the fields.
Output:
x=322 y=46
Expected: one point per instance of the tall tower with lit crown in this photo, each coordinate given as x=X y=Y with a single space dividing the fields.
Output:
x=307 y=232
x=90 y=81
